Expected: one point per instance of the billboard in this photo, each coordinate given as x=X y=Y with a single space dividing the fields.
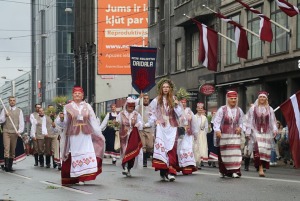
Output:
x=121 y=24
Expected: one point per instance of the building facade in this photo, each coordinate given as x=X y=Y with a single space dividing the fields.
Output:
x=100 y=90
x=22 y=89
x=52 y=50
x=273 y=67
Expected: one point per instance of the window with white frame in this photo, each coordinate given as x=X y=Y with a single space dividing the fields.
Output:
x=280 y=41
x=255 y=44
x=178 y=54
x=195 y=49
x=231 y=56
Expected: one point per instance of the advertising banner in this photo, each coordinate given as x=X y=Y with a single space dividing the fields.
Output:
x=121 y=24
x=143 y=63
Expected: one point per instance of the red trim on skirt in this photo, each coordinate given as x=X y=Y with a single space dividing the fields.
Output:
x=66 y=168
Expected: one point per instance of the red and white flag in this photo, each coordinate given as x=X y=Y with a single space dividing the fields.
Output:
x=287 y=8
x=208 y=46
x=265 y=30
x=241 y=40
x=291 y=113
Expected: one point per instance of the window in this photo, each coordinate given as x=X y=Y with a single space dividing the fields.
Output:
x=280 y=36
x=70 y=43
x=255 y=44
x=298 y=27
x=195 y=49
x=231 y=56
x=162 y=9
x=172 y=7
x=178 y=55
x=153 y=11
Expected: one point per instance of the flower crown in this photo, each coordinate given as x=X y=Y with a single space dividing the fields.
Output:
x=182 y=94
x=165 y=80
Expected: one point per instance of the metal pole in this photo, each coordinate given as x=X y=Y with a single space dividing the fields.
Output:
x=255 y=34
x=87 y=73
x=217 y=32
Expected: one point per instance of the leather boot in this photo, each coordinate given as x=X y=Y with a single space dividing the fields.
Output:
x=145 y=159
x=10 y=163
x=36 y=159
x=54 y=163
x=6 y=164
x=47 y=161
x=247 y=161
x=41 y=159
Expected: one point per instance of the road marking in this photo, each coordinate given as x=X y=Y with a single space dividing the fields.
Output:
x=67 y=188
x=18 y=175
x=257 y=178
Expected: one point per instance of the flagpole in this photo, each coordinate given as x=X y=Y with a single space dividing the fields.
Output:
x=255 y=34
x=276 y=109
x=217 y=32
x=279 y=25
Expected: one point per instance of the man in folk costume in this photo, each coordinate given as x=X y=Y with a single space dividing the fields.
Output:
x=51 y=142
x=82 y=143
x=130 y=122
x=109 y=132
x=165 y=111
x=13 y=117
x=33 y=119
x=200 y=129
x=260 y=123
x=38 y=132
x=147 y=134
x=186 y=159
x=228 y=127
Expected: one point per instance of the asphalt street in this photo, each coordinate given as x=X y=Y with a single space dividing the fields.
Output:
x=36 y=183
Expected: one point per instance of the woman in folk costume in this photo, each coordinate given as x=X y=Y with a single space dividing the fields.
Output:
x=109 y=133
x=82 y=143
x=212 y=150
x=130 y=123
x=200 y=129
x=186 y=159
x=228 y=127
x=260 y=123
x=165 y=112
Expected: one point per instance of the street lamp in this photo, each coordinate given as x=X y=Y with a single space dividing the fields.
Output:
x=13 y=85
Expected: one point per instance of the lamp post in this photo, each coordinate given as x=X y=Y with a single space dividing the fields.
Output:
x=13 y=85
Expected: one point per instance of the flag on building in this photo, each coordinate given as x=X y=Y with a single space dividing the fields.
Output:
x=241 y=40
x=208 y=46
x=265 y=30
x=287 y=8
x=291 y=113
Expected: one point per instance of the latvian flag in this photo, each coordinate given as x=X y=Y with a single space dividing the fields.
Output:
x=265 y=30
x=208 y=46
x=241 y=40
x=290 y=110
x=288 y=8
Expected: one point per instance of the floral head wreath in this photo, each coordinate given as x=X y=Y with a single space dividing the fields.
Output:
x=165 y=80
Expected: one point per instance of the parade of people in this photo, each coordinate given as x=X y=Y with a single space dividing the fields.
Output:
x=150 y=100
